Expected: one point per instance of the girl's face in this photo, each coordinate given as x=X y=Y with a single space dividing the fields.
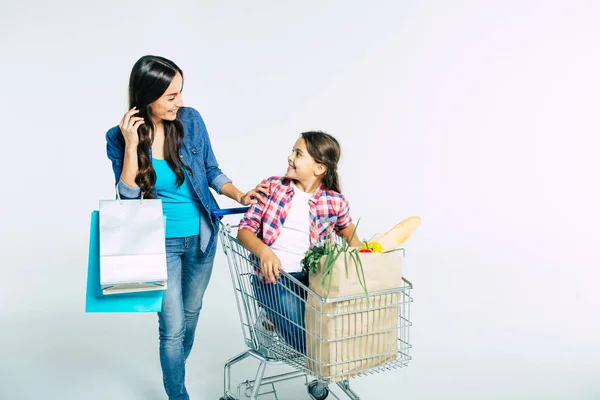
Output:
x=166 y=106
x=301 y=166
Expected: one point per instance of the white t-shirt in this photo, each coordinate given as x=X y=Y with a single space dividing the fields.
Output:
x=294 y=238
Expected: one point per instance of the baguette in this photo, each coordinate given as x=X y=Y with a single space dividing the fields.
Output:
x=399 y=233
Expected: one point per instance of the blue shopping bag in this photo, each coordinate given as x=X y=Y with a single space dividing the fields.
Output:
x=95 y=301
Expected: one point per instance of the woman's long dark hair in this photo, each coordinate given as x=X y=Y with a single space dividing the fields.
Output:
x=150 y=78
x=326 y=150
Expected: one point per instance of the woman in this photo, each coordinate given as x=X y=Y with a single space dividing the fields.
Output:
x=162 y=150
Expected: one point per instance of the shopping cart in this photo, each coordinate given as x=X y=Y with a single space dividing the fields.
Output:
x=360 y=336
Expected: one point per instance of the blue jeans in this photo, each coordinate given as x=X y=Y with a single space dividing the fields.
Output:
x=285 y=303
x=188 y=271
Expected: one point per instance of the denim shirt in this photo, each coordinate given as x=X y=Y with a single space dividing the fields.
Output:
x=196 y=152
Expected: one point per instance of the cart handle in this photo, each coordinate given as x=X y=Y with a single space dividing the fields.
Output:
x=228 y=211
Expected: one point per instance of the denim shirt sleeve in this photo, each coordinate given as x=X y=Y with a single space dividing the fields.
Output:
x=115 y=150
x=216 y=178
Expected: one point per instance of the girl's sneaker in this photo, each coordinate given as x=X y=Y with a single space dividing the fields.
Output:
x=265 y=329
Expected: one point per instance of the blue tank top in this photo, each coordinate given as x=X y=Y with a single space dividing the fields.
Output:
x=181 y=205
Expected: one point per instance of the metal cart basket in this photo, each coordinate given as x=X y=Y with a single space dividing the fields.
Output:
x=331 y=339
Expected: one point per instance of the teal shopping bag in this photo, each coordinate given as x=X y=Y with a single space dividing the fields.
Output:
x=128 y=302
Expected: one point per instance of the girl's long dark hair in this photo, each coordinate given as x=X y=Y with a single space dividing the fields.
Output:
x=150 y=78
x=325 y=149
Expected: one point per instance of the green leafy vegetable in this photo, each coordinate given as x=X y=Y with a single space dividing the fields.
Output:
x=332 y=251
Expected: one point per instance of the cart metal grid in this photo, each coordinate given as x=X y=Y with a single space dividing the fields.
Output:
x=331 y=339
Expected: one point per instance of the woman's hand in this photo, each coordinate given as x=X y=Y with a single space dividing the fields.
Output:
x=129 y=127
x=270 y=265
x=255 y=195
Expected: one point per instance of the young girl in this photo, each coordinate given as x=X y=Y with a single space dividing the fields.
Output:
x=301 y=210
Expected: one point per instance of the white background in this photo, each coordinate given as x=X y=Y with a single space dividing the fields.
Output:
x=479 y=116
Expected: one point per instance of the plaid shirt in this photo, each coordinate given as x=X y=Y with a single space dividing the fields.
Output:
x=329 y=211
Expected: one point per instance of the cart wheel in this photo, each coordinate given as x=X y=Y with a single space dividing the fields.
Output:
x=225 y=398
x=317 y=392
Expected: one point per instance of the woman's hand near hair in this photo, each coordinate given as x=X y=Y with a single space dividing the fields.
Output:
x=129 y=129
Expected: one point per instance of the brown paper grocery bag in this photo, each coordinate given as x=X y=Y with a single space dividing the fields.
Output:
x=348 y=337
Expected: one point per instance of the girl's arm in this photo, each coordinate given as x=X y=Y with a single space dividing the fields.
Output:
x=249 y=240
x=270 y=264
x=248 y=230
x=347 y=233
x=344 y=226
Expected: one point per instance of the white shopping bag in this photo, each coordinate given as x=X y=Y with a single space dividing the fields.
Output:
x=132 y=246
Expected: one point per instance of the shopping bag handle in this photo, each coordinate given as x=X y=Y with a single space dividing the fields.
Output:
x=119 y=195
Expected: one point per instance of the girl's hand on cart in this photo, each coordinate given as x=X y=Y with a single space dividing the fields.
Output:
x=258 y=194
x=270 y=265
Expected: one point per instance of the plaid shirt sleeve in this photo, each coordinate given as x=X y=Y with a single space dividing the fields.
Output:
x=252 y=220
x=344 y=218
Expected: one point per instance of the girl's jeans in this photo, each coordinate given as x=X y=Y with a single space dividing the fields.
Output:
x=285 y=303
